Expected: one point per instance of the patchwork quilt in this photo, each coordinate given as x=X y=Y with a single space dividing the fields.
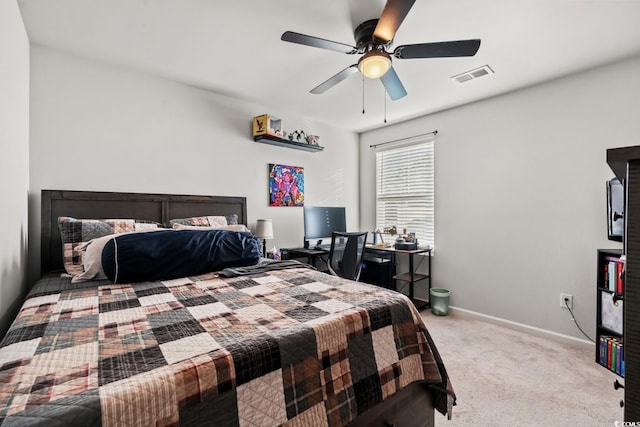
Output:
x=291 y=347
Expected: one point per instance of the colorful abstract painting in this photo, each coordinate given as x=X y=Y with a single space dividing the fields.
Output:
x=286 y=185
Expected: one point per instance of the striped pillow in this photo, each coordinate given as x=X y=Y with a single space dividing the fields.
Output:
x=76 y=232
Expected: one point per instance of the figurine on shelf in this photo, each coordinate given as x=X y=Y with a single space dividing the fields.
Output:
x=391 y=230
x=298 y=135
x=312 y=139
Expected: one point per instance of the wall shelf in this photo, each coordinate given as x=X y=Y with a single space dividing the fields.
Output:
x=274 y=140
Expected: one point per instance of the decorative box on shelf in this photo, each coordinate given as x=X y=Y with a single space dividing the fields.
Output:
x=267 y=125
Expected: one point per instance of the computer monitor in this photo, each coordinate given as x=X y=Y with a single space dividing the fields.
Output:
x=321 y=221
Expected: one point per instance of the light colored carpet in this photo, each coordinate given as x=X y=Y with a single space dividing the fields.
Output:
x=506 y=377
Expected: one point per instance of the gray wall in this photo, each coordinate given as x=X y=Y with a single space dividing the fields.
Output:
x=520 y=193
x=105 y=128
x=14 y=161
x=519 y=178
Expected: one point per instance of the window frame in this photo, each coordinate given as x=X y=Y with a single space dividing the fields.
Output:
x=421 y=191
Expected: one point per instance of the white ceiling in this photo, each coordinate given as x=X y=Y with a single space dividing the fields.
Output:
x=234 y=47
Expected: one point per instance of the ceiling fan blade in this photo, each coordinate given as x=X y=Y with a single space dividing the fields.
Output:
x=392 y=16
x=290 y=36
x=322 y=87
x=438 y=49
x=393 y=85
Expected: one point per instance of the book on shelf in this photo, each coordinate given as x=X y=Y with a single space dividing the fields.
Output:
x=613 y=269
x=619 y=359
x=612 y=279
x=620 y=266
x=613 y=273
x=611 y=353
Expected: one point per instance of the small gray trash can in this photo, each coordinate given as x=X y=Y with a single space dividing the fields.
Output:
x=439 y=301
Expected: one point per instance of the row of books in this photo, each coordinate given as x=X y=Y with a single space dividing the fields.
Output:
x=611 y=354
x=612 y=274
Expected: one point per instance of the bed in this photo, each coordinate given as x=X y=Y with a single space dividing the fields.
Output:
x=279 y=345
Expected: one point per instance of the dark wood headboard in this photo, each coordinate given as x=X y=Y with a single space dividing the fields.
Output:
x=107 y=205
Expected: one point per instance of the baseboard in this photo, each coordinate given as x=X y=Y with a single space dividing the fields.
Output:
x=522 y=327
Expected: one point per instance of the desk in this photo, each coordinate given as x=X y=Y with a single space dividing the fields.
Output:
x=312 y=255
x=410 y=277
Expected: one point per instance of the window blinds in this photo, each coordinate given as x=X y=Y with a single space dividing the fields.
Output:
x=405 y=187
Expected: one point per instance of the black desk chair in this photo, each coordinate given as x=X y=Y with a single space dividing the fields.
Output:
x=345 y=255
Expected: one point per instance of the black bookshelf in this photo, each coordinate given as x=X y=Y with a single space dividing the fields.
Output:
x=609 y=311
x=625 y=163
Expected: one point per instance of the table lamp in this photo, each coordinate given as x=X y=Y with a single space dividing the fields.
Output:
x=264 y=231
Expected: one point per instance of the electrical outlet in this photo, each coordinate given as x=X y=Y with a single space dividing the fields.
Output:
x=566 y=300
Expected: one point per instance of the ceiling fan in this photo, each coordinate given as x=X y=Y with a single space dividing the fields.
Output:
x=373 y=38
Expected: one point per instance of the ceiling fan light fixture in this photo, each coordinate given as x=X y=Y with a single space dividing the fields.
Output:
x=374 y=64
x=373 y=42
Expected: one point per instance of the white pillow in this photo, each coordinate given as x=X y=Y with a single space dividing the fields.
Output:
x=92 y=259
x=217 y=221
x=234 y=227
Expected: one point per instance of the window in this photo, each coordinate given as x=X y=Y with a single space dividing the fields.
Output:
x=405 y=187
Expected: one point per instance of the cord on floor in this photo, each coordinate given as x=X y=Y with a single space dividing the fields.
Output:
x=576 y=322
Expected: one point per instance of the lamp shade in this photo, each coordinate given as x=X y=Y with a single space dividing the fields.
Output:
x=374 y=64
x=264 y=230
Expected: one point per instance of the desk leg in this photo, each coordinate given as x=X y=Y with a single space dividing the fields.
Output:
x=392 y=272
x=429 y=279
x=317 y=261
x=411 y=276
x=420 y=304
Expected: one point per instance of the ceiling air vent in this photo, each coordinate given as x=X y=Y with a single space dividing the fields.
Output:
x=485 y=70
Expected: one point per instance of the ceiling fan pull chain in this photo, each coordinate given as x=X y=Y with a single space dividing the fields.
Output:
x=385 y=106
x=363 y=94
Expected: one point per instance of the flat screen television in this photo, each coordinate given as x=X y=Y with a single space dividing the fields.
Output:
x=321 y=221
x=615 y=209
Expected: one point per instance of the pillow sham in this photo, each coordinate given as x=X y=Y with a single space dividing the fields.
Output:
x=233 y=227
x=74 y=232
x=166 y=255
x=206 y=221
